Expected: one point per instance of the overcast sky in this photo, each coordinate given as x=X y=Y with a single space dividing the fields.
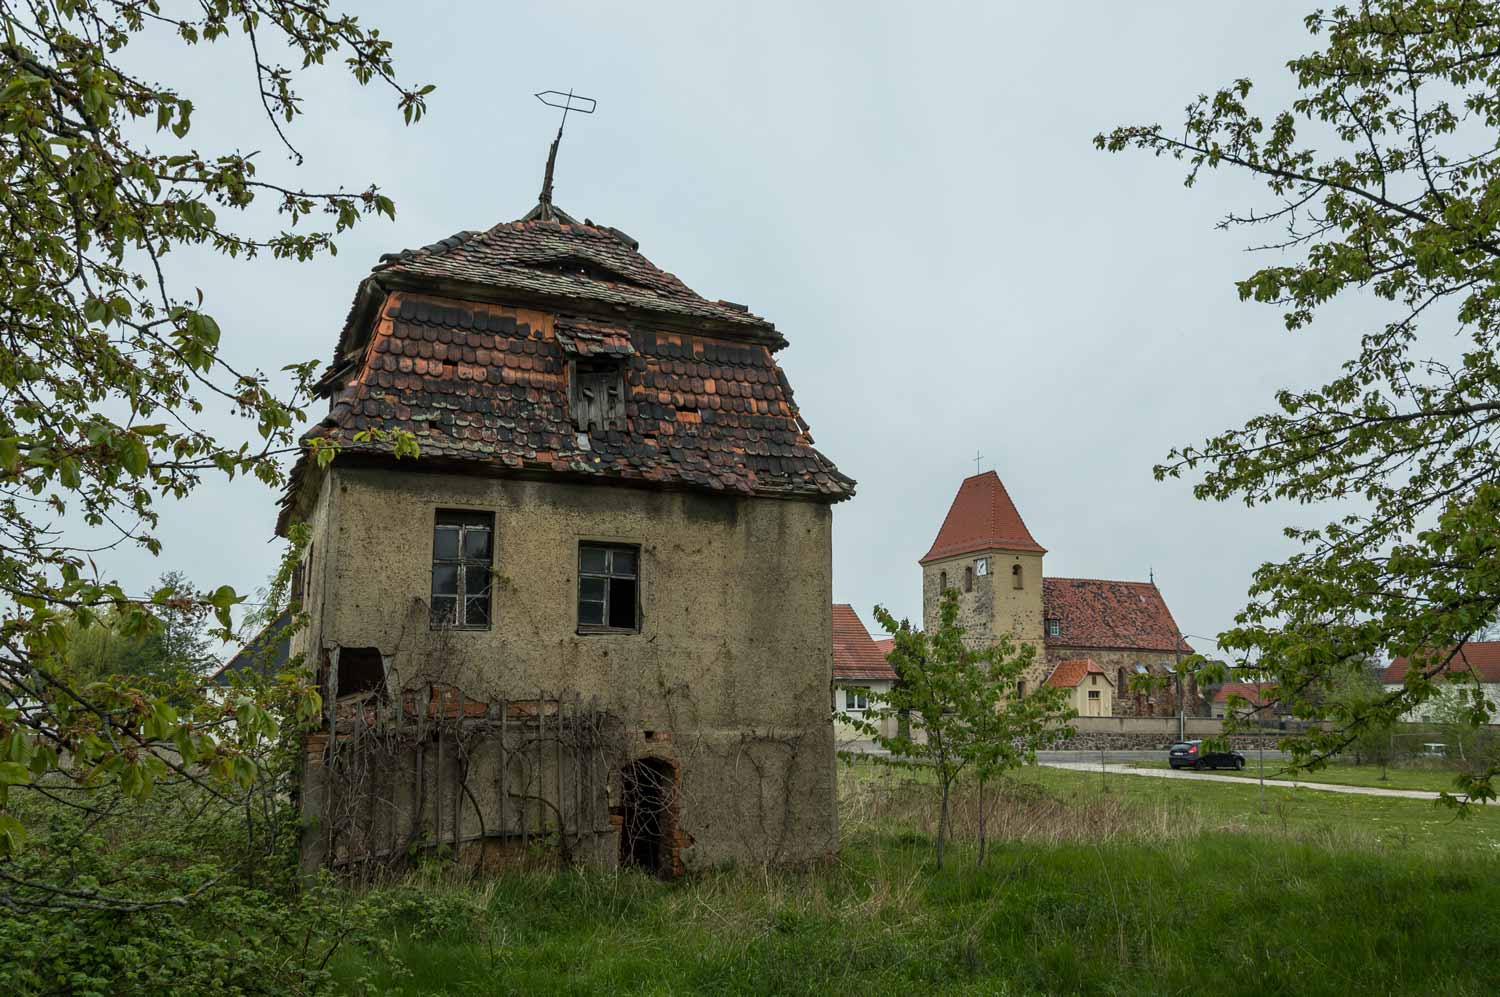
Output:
x=910 y=192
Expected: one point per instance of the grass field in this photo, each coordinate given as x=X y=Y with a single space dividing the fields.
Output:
x=1434 y=779
x=1137 y=885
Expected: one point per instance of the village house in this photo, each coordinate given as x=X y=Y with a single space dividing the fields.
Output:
x=1257 y=703
x=861 y=675
x=985 y=551
x=1090 y=693
x=595 y=610
x=1476 y=662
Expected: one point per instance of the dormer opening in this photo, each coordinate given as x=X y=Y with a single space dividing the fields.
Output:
x=597 y=395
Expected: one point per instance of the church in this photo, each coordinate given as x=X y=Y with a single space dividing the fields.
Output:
x=1092 y=634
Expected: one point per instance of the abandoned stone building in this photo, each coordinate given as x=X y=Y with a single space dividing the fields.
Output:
x=594 y=613
x=1104 y=632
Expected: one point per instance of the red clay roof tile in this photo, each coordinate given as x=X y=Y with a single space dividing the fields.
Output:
x=855 y=655
x=1101 y=614
x=1481 y=657
x=1069 y=673
x=982 y=517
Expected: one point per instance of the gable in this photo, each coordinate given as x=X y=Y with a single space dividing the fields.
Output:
x=855 y=655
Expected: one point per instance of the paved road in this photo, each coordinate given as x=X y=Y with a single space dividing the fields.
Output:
x=1324 y=787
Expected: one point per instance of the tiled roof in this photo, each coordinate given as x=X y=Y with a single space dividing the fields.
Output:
x=1068 y=674
x=556 y=259
x=885 y=645
x=855 y=655
x=1102 y=614
x=1482 y=658
x=1251 y=692
x=431 y=353
x=981 y=518
x=267 y=653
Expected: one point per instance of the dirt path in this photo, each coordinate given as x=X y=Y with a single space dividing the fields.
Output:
x=1324 y=787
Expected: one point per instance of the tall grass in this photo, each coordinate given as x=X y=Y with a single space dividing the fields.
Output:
x=1087 y=893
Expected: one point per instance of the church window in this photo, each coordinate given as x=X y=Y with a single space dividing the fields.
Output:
x=1120 y=681
x=1015 y=575
x=1021 y=689
x=1054 y=628
x=968 y=579
x=982 y=567
x=942 y=582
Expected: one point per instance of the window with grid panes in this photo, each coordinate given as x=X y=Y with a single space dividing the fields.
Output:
x=462 y=552
x=608 y=587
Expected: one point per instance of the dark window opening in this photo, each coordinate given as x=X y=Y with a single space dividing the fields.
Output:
x=968 y=579
x=1120 y=681
x=361 y=672
x=942 y=582
x=1021 y=689
x=462 y=552
x=648 y=789
x=1015 y=575
x=609 y=588
x=598 y=394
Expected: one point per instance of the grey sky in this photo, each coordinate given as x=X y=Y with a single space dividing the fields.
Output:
x=908 y=191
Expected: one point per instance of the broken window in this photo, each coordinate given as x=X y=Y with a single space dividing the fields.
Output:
x=361 y=671
x=1054 y=628
x=608 y=587
x=856 y=700
x=1015 y=575
x=598 y=395
x=462 y=551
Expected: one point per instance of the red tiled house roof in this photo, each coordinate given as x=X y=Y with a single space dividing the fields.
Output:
x=885 y=646
x=855 y=655
x=1252 y=692
x=1110 y=615
x=982 y=517
x=467 y=345
x=1068 y=674
x=1482 y=658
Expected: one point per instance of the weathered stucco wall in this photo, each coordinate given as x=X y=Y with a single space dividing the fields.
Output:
x=729 y=674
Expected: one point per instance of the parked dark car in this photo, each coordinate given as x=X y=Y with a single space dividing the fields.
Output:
x=1192 y=755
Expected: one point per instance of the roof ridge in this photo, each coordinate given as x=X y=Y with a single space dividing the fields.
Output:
x=1111 y=581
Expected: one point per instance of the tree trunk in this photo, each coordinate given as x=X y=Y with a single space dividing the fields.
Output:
x=980 y=862
x=943 y=820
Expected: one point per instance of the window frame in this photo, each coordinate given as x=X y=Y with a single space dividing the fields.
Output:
x=981 y=566
x=1095 y=694
x=968 y=578
x=1054 y=627
x=464 y=522
x=856 y=695
x=609 y=547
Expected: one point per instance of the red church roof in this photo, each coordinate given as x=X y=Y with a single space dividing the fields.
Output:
x=981 y=518
x=1092 y=612
x=1481 y=657
x=855 y=655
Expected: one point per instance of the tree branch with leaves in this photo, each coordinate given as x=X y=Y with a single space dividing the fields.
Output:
x=109 y=372
x=1383 y=180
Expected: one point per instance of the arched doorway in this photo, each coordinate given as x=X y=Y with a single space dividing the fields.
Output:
x=648 y=790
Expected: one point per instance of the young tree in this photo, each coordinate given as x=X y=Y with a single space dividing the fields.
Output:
x=962 y=706
x=107 y=369
x=1382 y=176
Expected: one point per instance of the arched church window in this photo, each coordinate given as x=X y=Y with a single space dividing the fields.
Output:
x=1015 y=575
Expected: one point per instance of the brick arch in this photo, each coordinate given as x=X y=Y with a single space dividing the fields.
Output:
x=649 y=836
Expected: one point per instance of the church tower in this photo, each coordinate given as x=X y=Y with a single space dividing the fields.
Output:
x=985 y=551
